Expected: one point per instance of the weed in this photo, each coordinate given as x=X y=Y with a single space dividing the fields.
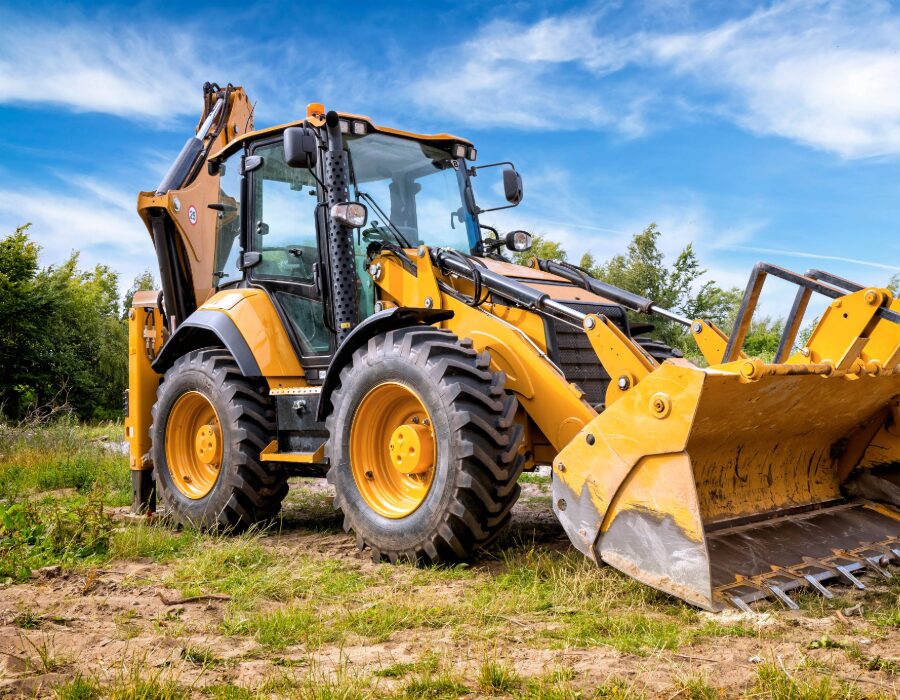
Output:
x=78 y=688
x=200 y=656
x=618 y=689
x=442 y=684
x=495 y=677
x=397 y=670
x=697 y=687
x=284 y=627
x=825 y=642
x=27 y=619
x=45 y=652
x=777 y=684
x=227 y=691
x=57 y=533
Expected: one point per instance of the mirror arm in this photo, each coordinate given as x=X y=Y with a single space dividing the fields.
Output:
x=508 y=206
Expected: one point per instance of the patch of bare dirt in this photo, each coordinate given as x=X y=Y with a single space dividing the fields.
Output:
x=101 y=622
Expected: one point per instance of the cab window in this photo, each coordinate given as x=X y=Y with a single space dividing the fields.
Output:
x=283 y=229
x=228 y=224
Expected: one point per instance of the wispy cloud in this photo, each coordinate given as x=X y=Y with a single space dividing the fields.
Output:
x=826 y=74
x=103 y=226
x=148 y=71
x=822 y=73
x=813 y=256
x=529 y=76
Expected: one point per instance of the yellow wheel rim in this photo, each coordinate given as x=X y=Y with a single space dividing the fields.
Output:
x=193 y=445
x=392 y=450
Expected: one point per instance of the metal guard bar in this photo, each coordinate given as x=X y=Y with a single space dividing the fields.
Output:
x=823 y=283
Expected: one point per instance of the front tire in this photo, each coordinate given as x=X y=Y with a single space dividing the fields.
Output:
x=423 y=447
x=209 y=425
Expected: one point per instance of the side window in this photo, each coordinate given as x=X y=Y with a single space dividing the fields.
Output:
x=284 y=218
x=228 y=225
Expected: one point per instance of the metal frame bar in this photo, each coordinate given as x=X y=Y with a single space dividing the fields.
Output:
x=817 y=281
x=798 y=309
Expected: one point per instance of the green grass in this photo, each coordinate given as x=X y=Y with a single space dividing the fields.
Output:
x=440 y=684
x=531 y=478
x=497 y=678
x=242 y=567
x=78 y=688
x=227 y=691
x=698 y=687
x=777 y=684
x=201 y=656
x=139 y=540
x=283 y=627
x=62 y=454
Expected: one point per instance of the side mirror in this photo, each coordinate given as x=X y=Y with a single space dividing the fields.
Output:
x=518 y=241
x=512 y=186
x=300 y=147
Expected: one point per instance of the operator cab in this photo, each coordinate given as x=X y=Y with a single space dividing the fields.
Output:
x=272 y=220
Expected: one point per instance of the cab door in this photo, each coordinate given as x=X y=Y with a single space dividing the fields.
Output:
x=283 y=229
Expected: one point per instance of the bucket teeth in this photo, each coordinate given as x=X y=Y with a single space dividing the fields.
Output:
x=843 y=567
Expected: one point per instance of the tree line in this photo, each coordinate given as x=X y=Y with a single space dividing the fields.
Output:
x=64 y=335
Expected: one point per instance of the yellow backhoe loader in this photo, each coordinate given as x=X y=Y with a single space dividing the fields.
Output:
x=333 y=305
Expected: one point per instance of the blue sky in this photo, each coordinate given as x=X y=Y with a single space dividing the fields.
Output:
x=754 y=130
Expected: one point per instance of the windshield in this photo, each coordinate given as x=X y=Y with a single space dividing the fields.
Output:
x=414 y=193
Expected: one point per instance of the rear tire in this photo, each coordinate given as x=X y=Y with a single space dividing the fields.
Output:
x=472 y=476
x=242 y=490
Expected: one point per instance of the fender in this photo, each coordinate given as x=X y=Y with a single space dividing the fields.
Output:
x=381 y=322
x=205 y=328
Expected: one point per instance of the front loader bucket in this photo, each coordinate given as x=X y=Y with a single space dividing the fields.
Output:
x=724 y=488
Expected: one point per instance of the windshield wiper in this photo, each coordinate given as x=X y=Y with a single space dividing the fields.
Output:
x=385 y=218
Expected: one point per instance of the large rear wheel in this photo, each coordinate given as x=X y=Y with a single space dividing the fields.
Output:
x=423 y=447
x=209 y=425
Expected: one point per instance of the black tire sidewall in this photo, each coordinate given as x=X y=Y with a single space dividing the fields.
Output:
x=407 y=533
x=201 y=512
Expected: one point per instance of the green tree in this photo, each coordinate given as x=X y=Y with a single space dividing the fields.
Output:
x=143 y=282
x=61 y=337
x=543 y=248
x=642 y=269
x=894 y=284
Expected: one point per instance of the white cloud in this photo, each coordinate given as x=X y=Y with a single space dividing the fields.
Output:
x=104 y=227
x=825 y=74
x=529 y=76
x=147 y=72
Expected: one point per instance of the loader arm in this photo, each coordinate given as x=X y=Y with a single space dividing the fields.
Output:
x=720 y=485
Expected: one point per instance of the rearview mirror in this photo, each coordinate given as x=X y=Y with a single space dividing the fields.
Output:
x=300 y=147
x=512 y=185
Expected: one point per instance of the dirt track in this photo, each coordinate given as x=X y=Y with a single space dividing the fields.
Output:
x=103 y=622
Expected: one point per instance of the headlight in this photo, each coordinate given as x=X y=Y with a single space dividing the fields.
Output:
x=459 y=150
x=352 y=214
x=359 y=128
x=471 y=154
x=345 y=127
x=518 y=241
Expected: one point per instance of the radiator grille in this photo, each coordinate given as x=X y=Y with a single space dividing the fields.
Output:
x=571 y=350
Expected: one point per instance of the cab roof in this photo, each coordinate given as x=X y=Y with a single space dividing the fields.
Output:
x=236 y=144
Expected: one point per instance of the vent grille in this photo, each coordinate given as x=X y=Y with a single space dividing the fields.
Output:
x=571 y=350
